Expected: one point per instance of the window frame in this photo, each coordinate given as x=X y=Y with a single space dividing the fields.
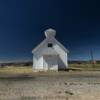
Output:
x=50 y=45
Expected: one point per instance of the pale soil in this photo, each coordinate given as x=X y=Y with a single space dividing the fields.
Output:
x=70 y=86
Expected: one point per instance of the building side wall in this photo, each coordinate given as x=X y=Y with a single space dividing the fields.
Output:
x=37 y=63
x=63 y=59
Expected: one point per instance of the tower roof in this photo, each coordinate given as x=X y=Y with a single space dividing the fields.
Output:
x=50 y=33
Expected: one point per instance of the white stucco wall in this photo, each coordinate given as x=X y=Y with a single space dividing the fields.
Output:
x=38 y=63
x=50 y=62
x=62 y=60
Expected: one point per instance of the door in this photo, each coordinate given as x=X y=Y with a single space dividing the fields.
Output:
x=50 y=62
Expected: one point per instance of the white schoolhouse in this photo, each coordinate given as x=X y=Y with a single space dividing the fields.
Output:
x=50 y=54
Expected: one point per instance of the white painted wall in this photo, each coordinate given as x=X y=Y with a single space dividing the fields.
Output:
x=50 y=62
x=39 y=62
x=63 y=61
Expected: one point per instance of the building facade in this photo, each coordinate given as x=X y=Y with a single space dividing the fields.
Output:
x=50 y=54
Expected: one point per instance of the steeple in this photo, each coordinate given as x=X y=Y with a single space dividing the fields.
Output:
x=50 y=33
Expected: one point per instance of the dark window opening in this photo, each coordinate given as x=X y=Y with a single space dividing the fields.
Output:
x=50 y=45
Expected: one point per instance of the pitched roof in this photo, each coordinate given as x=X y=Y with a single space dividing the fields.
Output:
x=50 y=36
x=41 y=44
x=61 y=46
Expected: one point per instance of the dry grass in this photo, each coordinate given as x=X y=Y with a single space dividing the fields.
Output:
x=85 y=67
x=15 y=71
x=28 y=71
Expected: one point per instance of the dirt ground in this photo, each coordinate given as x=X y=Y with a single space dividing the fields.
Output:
x=70 y=86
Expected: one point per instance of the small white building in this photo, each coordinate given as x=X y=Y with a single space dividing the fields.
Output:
x=50 y=54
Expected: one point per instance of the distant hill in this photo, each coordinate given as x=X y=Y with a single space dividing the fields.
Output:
x=5 y=64
x=83 y=62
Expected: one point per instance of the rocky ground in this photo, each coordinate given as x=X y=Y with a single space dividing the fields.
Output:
x=70 y=86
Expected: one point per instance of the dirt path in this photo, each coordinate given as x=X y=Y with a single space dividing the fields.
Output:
x=70 y=86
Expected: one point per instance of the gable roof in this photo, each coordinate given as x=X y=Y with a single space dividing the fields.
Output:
x=61 y=46
x=38 y=46
x=42 y=43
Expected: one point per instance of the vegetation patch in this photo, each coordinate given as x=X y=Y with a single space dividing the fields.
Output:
x=68 y=92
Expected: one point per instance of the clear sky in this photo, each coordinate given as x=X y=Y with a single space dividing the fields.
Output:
x=22 y=25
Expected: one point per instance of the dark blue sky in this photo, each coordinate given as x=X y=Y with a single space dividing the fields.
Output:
x=22 y=23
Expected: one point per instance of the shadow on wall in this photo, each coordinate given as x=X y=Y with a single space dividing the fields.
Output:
x=61 y=65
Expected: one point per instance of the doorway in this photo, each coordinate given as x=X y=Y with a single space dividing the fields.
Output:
x=50 y=62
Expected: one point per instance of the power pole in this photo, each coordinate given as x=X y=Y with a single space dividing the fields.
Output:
x=91 y=54
x=92 y=57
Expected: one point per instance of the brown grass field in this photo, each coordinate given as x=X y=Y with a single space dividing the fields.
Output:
x=81 y=82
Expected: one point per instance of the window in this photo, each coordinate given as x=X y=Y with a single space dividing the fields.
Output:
x=50 y=45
